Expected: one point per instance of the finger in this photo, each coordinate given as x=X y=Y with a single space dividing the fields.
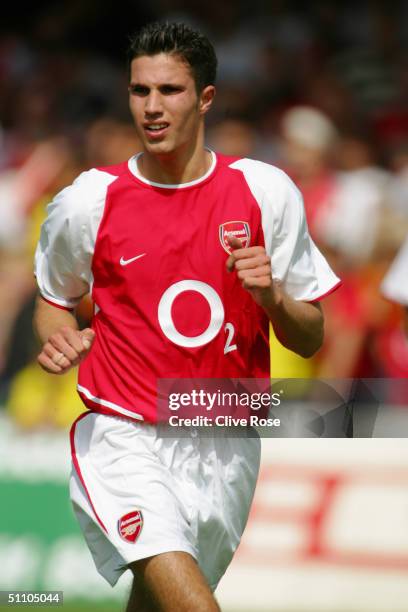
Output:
x=87 y=337
x=74 y=339
x=60 y=360
x=261 y=282
x=230 y=263
x=234 y=242
x=255 y=272
x=57 y=357
x=247 y=252
x=62 y=345
x=253 y=262
x=47 y=364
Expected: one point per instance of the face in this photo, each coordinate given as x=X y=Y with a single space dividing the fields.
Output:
x=164 y=103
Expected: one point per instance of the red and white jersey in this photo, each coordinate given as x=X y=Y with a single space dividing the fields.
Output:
x=153 y=257
x=395 y=282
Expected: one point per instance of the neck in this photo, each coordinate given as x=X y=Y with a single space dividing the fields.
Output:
x=186 y=164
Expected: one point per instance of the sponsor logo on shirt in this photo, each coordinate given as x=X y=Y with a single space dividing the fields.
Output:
x=238 y=229
x=130 y=526
x=125 y=262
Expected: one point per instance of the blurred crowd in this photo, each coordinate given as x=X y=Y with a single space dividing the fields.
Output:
x=319 y=89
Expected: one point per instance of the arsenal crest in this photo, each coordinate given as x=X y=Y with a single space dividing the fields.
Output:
x=238 y=229
x=130 y=526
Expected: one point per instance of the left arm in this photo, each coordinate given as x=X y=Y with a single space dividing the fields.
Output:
x=298 y=325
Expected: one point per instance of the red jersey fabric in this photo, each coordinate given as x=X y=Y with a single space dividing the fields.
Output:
x=154 y=259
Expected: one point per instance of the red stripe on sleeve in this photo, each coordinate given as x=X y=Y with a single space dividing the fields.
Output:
x=56 y=305
x=334 y=288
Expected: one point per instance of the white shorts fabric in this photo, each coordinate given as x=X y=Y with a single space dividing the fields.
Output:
x=193 y=494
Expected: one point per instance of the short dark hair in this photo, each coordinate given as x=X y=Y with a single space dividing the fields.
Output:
x=179 y=39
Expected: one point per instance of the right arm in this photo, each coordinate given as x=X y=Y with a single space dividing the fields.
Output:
x=63 y=345
x=63 y=272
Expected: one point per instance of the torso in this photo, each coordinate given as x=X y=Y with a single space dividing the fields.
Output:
x=166 y=307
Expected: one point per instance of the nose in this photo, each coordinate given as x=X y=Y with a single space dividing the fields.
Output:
x=153 y=104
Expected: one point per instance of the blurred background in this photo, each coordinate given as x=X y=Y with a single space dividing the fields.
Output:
x=319 y=89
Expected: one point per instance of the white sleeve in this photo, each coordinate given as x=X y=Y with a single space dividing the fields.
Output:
x=64 y=252
x=295 y=259
x=395 y=283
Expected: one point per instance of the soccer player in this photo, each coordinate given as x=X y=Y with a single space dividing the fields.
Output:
x=188 y=256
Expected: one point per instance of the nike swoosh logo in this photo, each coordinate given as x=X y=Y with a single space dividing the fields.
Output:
x=125 y=262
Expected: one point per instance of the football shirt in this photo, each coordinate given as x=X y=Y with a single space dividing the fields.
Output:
x=153 y=257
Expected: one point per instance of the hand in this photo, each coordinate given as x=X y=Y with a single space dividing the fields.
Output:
x=65 y=349
x=253 y=267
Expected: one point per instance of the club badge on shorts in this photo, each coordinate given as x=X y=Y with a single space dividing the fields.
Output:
x=130 y=526
x=238 y=229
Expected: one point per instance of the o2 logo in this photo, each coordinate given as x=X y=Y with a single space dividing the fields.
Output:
x=216 y=320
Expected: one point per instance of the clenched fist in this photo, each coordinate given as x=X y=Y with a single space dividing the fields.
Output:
x=253 y=268
x=65 y=348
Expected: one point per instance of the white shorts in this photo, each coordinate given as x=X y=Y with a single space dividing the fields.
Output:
x=137 y=494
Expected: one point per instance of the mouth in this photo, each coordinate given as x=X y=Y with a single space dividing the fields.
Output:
x=155 y=131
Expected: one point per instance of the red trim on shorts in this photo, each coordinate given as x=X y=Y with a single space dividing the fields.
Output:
x=100 y=409
x=56 y=305
x=77 y=467
x=334 y=288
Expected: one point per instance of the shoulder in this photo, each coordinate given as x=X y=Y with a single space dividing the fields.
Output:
x=269 y=184
x=88 y=186
x=87 y=192
x=265 y=175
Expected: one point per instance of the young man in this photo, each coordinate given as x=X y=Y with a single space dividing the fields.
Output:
x=178 y=247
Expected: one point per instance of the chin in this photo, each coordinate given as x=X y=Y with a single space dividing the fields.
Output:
x=159 y=148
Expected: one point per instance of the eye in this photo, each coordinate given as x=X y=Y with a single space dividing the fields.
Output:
x=138 y=90
x=168 y=90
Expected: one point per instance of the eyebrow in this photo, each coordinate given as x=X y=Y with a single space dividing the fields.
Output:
x=173 y=85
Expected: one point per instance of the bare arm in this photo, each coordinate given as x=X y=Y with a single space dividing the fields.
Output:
x=63 y=345
x=298 y=325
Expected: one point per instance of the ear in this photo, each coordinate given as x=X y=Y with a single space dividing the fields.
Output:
x=206 y=99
